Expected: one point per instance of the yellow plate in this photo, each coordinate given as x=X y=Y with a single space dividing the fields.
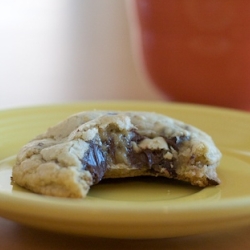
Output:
x=140 y=207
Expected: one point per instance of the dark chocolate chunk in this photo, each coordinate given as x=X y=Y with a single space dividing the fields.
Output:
x=136 y=137
x=95 y=162
x=175 y=141
x=98 y=157
x=152 y=159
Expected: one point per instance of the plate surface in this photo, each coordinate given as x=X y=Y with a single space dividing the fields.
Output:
x=139 y=207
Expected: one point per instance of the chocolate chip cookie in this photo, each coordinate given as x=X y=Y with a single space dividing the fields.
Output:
x=87 y=147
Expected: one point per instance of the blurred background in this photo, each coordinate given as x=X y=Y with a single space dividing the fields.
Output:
x=54 y=51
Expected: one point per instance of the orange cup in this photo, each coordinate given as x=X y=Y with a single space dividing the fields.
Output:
x=196 y=51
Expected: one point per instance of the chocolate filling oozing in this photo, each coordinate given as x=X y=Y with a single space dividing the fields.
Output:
x=95 y=162
x=114 y=147
x=154 y=160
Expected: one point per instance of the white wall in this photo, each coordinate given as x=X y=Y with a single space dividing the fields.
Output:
x=66 y=50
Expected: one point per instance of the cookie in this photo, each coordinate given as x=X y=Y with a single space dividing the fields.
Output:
x=87 y=147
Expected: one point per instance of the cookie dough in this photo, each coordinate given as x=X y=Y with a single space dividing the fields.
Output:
x=87 y=147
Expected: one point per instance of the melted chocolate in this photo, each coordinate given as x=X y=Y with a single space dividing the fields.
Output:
x=153 y=159
x=137 y=138
x=99 y=157
x=95 y=162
